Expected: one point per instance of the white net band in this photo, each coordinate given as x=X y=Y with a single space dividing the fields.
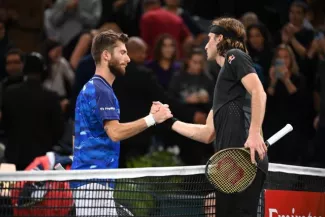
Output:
x=139 y=172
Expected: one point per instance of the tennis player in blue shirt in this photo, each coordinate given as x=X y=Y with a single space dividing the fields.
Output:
x=97 y=129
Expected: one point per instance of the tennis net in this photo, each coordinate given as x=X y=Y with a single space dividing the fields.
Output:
x=164 y=191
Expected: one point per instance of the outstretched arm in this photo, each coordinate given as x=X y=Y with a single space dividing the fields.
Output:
x=120 y=131
x=204 y=133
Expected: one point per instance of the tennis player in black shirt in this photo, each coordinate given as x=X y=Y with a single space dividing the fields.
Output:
x=237 y=114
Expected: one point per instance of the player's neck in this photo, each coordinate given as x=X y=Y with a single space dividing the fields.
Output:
x=106 y=74
x=220 y=60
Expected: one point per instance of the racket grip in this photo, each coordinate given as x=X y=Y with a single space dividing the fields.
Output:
x=285 y=130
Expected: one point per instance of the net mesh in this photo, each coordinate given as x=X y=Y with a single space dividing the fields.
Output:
x=172 y=191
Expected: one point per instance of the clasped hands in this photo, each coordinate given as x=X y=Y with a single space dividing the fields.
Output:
x=160 y=112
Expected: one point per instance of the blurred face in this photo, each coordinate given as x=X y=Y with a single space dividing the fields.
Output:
x=2 y=31
x=55 y=53
x=14 y=65
x=119 y=59
x=196 y=64
x=256 y=39
x=296 y=15
x=172 y=3
x=168 y=49
x=140 y=56
x=285 y=56
x=211 y=47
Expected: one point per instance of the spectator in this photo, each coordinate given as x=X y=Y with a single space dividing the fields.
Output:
x=249 y=18
x=14 y=68
x=31 y=116
x=5 y=46
x=259 y=48
x=286 y=104
x=195 y=89
x=175 y=7
x=157 y=21
x=299 y=38
x=67 y=19
x=60 y=76
x=191 y=85
x=127 y=15
x=164 y=63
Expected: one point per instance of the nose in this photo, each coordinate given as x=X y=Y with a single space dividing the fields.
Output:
x=128 y=59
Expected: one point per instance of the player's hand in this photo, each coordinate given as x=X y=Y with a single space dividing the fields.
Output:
x=156 y=106
x=163 y=114
x=256 y=143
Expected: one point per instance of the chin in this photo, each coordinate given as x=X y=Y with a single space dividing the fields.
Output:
x=210 y=58
x=121 y=72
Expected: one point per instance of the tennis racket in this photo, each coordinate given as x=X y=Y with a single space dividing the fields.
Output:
x=232 y=171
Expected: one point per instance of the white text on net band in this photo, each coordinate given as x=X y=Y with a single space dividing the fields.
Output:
x=138 y=173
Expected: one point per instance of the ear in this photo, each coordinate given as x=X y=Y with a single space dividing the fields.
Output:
x=106 y=55
x=219 y=38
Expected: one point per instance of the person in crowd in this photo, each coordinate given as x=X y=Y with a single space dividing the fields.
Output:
x=59 y=76
x=260 y=48
x=157 y=21
x=286 y=104
x=31 y=115
x=164 y=63
x=192 y=87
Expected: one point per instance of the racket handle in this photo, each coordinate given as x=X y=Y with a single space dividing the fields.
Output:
x=285 y=130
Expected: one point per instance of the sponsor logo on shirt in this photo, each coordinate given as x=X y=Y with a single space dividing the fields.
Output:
x=107 y=108
x=231 y=58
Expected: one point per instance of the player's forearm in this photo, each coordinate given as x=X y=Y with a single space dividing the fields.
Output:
x=126 y=130
x=198 y=132
x=258 y=110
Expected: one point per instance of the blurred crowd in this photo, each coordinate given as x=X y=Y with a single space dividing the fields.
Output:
x=38 y=90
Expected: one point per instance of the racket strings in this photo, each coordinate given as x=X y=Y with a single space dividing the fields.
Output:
x=231 y=170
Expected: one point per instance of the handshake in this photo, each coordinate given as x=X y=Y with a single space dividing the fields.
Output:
x=160 y=112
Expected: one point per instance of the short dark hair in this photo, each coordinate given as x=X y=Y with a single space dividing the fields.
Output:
x=300 y=4
x=106 y=41
x=15 y=51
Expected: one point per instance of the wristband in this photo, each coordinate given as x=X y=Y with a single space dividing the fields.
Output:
x=150 y=121
x=169 y=123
